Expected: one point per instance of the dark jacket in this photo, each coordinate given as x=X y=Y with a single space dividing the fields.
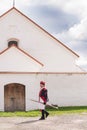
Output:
x=43 y=95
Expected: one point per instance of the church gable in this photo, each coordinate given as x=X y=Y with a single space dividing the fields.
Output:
x=15 y=12
x=37 y=42
x=15 y=59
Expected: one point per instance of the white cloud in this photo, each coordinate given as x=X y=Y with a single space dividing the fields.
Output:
x=79 y=30
x=82 y=62
x=75 y=33
x=21 y=3
x=76 y=7
x=5 y=5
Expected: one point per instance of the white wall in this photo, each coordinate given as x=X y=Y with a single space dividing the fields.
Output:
x=15 y=60
x=64 y=89
x=54 y=56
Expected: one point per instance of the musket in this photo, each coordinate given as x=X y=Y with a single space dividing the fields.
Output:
x=47 y=104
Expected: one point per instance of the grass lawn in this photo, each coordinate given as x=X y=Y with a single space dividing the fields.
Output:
x=53 y=112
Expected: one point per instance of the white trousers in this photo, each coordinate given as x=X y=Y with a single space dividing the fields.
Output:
x=41 y=106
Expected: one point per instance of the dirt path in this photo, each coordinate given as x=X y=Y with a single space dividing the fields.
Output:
x=64 y=122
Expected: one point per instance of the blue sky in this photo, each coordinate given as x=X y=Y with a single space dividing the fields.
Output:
x=64 y=19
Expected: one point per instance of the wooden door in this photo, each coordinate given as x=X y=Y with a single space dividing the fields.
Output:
x=14 y=97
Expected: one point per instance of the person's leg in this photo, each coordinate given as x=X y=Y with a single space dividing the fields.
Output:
x=42 y=117
x=47 y=114
x=42 y=108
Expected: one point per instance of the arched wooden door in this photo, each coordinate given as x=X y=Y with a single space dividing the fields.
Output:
x=14 y=97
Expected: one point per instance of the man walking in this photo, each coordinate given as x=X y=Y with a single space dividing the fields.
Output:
x=43 y=97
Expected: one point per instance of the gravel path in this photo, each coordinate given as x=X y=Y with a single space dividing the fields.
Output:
x=63 y=122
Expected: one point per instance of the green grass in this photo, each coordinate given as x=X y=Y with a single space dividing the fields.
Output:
x=53 y=112
x=32 y=113
x=68 y=110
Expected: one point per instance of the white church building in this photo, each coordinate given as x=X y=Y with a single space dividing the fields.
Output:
x=29 y=54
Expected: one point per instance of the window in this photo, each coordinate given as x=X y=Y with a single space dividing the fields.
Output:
x=13 y=41
x=10 y=43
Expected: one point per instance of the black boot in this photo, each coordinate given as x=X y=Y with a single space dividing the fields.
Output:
x=42 y=117
x=47 y=114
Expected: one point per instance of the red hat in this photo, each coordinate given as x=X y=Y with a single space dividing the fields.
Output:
x=41 y=82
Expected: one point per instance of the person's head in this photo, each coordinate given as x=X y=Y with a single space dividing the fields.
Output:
x=42 y=84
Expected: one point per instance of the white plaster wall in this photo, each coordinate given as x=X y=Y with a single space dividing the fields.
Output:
x=63 y=89
x=54 y=56
x=15 y=60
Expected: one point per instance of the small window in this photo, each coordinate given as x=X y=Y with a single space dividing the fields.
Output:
x=10 y=43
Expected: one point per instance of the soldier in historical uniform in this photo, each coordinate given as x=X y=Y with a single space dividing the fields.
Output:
x=43 y=97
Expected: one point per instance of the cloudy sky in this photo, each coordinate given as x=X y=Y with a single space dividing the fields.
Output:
x=64 y=19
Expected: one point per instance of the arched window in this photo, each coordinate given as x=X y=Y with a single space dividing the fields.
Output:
x=13 y=41
x=10 y=43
